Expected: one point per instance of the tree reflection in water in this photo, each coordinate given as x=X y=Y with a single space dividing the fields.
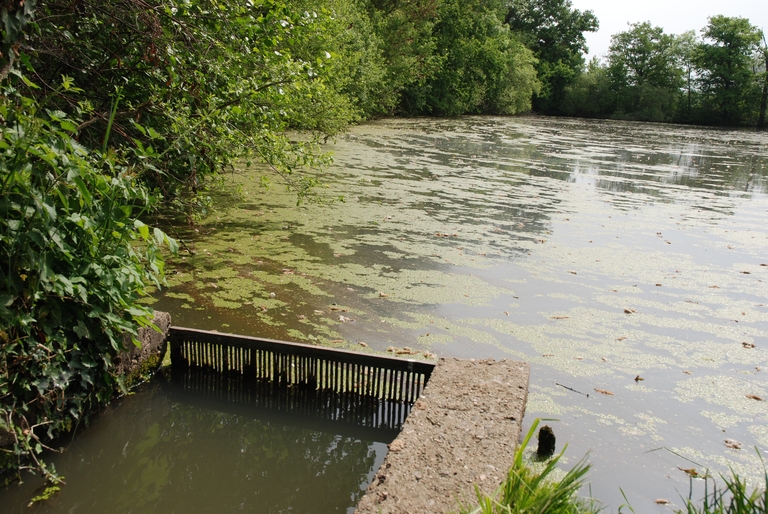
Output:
x=154 y=453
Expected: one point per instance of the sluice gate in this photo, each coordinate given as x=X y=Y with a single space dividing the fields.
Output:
x=364 y=390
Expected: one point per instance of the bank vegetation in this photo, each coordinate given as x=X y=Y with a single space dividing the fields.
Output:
x=111 y=107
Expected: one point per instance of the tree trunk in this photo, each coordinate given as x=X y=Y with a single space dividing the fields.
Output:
x=764 y=98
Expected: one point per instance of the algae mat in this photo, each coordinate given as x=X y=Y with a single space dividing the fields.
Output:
x=628 y=263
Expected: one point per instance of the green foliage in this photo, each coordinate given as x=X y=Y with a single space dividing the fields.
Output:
x=14 y=17
x=75 y=261
x=483 y=68
x=535 y=492
x=200 y=84
x=644 y=72
x=718 y=80
x=405 y=28
x=46 y=495
x=554 y=31
x=591 y=95
x=725 y=61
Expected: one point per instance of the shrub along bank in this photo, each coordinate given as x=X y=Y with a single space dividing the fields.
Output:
x=109 y=107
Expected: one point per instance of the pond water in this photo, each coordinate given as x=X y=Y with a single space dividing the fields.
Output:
x=615 y=256
x=619 y=257
x=165 y=449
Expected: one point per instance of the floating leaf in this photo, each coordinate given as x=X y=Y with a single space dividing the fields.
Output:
x=603 y=391
x=691 y=472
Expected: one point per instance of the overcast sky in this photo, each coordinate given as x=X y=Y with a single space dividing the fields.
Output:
x=674 y=16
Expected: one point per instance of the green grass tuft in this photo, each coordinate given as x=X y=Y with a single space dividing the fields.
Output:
x=528 y=491
x=733 y=497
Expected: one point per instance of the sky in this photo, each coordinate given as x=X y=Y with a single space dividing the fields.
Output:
x=674 y=16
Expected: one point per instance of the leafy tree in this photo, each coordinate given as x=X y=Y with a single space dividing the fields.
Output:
x=763 y=54
x=684 y=48
x=591 y=95
x=726 y=76
x=483 y=68
x=554 y=31
x=644 y=72
x=405 y=28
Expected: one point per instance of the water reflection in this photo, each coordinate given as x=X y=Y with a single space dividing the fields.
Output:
x=168 y=450
x=597 y=251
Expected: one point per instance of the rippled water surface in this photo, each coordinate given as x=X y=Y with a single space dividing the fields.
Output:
x=622 y=257
x=602 y=253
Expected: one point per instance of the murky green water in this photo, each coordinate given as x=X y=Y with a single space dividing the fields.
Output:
x=597 y=251
x=600 y=252
x=166 y=450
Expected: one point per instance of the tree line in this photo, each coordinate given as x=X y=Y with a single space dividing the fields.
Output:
x=718 y=78
x=109 y=107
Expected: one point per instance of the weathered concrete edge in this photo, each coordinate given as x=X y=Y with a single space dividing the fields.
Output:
x=138 y=360
x=463 y=431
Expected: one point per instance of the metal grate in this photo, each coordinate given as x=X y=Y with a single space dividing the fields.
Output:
x=310 y=368
x=364 y=416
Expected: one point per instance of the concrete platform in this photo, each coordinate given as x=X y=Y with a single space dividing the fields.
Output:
x=463 y=430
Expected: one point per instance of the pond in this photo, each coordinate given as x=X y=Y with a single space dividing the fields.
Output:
x=168 y=449
x=613 y=256
x=626 y=262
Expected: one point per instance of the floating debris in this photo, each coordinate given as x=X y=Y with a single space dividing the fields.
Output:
x=571 y=389
x=733 y=444
x=691 y=472
x=604 y=391
x=547 y=440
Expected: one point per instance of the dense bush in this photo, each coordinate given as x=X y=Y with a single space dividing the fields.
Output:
x=71 y=271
